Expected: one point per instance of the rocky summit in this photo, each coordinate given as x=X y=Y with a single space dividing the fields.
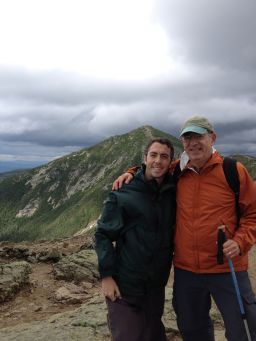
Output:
x=50 y=291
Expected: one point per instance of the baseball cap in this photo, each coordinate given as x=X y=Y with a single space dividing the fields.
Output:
x=197 y=124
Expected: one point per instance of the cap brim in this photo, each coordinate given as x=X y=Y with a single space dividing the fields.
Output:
x=194 y=129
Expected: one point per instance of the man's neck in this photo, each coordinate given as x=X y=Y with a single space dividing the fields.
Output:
x=198 y=164
x=158 y=180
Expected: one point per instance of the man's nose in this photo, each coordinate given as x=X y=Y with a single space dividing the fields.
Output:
x=193 y=140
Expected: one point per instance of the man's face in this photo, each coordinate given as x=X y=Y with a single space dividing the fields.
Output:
x=198 y=147
x=157 y=161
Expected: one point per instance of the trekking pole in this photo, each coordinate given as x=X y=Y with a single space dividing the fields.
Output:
x=220 y=259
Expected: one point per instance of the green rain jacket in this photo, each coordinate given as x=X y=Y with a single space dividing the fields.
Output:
x=139 y=218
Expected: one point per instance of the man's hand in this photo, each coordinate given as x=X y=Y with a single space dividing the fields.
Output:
x=124 y=178
x=110 y=288
x=231 y=248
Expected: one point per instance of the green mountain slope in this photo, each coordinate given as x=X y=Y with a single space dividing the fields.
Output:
x=249 y=162
x=66 y=195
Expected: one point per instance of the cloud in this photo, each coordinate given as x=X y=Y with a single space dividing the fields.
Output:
x=57 y=109
x=217 y=32
x=195 y=57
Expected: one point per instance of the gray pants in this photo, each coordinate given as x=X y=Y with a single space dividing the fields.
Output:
x=137 y=318
x=192 y=302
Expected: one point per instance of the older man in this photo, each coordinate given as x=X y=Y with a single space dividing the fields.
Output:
x=205 y=202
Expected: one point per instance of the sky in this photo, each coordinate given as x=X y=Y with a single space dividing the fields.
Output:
x=75 y=72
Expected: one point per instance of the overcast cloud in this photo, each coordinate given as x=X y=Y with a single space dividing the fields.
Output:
x=72 y=75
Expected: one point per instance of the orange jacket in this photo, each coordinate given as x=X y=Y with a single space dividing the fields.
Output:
x=204 y=202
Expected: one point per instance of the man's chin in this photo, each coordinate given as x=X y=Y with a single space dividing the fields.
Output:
x=157 y=174
x=195 y=157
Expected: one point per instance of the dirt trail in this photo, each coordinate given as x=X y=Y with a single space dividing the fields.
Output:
x=35 y=302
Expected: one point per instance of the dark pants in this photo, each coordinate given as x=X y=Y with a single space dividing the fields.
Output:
x=137 y=318
x=192 y=302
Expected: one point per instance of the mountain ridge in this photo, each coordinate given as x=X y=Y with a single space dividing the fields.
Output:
x=65 y=196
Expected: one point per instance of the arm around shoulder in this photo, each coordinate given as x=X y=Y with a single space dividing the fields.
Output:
x=124 y=178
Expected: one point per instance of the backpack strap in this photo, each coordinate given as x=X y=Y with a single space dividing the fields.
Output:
x=232 y=177
x=176 y=172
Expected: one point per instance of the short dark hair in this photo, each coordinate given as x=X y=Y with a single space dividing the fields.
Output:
x=160 y=140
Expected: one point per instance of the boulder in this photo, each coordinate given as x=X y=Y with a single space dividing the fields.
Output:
x=52 y=254
x=13 y=277
x=70 y=294
x=78 y=267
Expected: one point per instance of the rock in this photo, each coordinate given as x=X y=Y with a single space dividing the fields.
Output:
x=32 y=259
x=16 y=251
x=29 y=209
x=80 y=266
x=64 y=295
x=13 y=277
x=169 y=317
x=65 y=244
x=86 y=285
x=88 y=244
x=52 y=254
x=88 y=322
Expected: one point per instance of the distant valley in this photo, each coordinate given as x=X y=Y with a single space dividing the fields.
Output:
x=9 y=166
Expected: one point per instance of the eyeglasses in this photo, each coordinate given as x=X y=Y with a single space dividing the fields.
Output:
x=190 y=136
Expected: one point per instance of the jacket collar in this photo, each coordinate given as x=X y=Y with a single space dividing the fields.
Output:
x=153 y=184
x=184 y=160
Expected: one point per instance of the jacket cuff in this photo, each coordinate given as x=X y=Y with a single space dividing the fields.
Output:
x=132 y=170
x=104 y=274
x=240 y=244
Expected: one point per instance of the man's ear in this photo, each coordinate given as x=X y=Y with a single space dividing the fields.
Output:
x=213 y=138
x=145 y=159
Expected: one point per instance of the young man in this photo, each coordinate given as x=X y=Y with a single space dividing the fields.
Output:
x=205 y=202
x=139 y=219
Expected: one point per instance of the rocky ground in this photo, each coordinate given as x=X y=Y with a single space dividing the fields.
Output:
x=50 y=291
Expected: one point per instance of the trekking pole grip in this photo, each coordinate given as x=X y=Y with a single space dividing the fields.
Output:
x=221 y=238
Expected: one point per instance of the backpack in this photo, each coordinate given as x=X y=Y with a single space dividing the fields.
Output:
x=231 y=175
